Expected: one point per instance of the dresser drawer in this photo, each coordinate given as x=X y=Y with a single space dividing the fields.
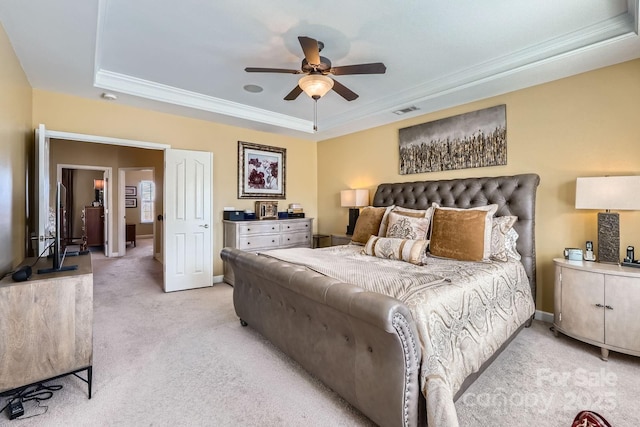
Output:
x=250 y=228
x=297 y=239
x=295 y=226
x=249 y=243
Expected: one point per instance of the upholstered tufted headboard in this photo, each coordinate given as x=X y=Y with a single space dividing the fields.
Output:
x=514 y=195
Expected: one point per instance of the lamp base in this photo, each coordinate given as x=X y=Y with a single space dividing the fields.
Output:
x=609 y=237
x=354 y=213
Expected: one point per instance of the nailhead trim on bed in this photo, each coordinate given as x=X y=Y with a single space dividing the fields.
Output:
x=401 y=325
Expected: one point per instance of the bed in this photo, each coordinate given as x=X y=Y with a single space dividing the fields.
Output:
x=365 y=345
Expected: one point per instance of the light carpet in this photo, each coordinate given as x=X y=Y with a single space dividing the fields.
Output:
x=182 y=359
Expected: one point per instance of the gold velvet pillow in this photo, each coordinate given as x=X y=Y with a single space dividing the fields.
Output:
x=368 y=224
x=413 y=251
x=462 y=234
x=407 y=227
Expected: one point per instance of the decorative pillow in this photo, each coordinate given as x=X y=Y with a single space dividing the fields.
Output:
x=407 y=227
x=462 y=234
x=418 y=213
x=510 y=244
x=368 y=224
x=412 y=251
x=499 y=229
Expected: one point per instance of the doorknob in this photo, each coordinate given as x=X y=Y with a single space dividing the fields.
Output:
x=205 y=226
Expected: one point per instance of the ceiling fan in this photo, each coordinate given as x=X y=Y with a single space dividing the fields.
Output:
x=316 y=83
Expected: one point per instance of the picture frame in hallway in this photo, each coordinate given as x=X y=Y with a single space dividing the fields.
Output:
x=130 y=203
x=130 y=191
x=261 y=171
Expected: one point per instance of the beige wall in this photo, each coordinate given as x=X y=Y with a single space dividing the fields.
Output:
x=15 y=146
x=97 y=117
x=586 y=125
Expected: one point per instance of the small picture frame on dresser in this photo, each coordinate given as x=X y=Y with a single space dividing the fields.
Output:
x=267 y=210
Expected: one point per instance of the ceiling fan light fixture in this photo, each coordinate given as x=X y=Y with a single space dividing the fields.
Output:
x=316 y=85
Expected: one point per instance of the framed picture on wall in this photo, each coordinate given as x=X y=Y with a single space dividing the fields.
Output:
x=261 y=171
x=130 y=203
x=130 y=191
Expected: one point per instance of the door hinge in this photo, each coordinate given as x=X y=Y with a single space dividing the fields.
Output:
x=560 y=317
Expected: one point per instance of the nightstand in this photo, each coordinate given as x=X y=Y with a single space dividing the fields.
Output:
x=340 y=239
x=598 y=304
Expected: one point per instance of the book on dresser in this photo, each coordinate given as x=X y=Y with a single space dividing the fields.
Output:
x=263 y=235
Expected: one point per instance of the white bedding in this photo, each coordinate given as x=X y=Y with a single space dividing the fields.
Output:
x=464 y=311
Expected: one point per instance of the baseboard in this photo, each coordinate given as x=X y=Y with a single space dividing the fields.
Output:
x=544 y=316
x=144 y=236
x=158 y=257
x=218 y=279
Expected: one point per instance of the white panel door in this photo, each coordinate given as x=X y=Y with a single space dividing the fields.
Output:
x=42 y=188
x=188 y=243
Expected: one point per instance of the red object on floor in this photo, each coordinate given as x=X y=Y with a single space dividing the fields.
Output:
x=589 y=419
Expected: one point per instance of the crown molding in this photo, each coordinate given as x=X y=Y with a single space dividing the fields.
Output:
x=130 y=85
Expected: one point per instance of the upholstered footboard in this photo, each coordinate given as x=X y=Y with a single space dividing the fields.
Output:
x=363 y=345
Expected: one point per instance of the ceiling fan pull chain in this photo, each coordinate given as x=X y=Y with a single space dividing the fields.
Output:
x=315 y=115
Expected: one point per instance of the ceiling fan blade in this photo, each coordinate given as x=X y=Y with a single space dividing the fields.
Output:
x=373 y=68
x=293 y=94
x=344 y=91
x=270 y=70
x=310 y=49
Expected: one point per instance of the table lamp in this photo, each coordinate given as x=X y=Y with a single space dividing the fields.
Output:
x=354 y=200
x=608 y=192
x=98 y=186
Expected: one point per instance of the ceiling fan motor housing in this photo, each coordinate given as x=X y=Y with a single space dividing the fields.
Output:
x=323 y=67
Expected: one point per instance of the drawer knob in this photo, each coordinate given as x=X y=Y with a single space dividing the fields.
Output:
x=248 y=229
x=599 y=305
x=608 y=307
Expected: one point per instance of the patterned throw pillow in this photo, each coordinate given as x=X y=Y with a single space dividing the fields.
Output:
x=510 y=242
x=407 y=227
x=368 y=224
x=499 y=230
x=413 y=251
x=418 y=213
x=462 y=234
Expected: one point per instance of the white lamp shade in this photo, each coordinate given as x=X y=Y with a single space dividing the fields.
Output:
x=354 y=198
x=316 y=85
x=608 y=192
x=98 y=184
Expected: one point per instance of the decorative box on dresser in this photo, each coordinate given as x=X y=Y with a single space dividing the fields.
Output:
x=598 y=304
x=262 y=235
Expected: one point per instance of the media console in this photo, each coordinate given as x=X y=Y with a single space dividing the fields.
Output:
x=46 y=326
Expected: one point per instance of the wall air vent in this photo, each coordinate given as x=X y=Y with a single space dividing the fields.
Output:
x=406 y=110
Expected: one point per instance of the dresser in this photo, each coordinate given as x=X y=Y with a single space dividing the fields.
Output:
x=598 y=304
x=94 y=225
x=261 y=235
